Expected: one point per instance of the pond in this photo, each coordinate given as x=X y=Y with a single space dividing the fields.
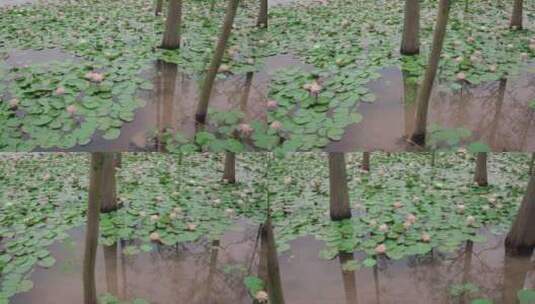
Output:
x=213 y=272
x=145 y=98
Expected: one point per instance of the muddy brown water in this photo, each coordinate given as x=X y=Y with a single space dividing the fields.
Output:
x=202 y=273
x=496 y=113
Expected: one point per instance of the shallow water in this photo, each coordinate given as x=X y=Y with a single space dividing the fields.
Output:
x=496 y=113
x=202 y=273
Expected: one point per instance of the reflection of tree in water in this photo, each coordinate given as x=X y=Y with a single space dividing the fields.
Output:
x=196 y=271
x=499 y=117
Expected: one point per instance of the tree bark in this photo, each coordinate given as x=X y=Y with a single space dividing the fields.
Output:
x=339 y=196
x=262 y=20
x=107 y=183
x=348 y=277
x=480 y=176
x=418 y=136
x=365 y=165
x=92 y=228
x=410 y=91
x=515 y=272
x=110 y=263
x=229 y=174
x=410 y=42
x=118 y=157
x=208 y=83
x=532 y=165
x=212 y=270
x=516 y=17
x=270 y=263
x=158 y=9
x=521 y=238
x=171 y=36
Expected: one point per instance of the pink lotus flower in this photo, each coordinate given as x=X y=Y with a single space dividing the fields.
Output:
x=13 y=103
x=71 y=109
x=94 y=76
x=383 y=228
x=276 y=125
x=470 y=220
x=425 y=237
x=245 y=129
x=380 y=249
x=397 y=205
x=59 y=91
x=272 y=104
x=411 y=218
x=461 y=76
x=155 y=237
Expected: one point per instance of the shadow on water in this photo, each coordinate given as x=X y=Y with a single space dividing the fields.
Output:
x=496 y=113
x=213 y=272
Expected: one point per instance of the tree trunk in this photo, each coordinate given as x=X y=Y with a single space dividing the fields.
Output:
x=110 y=263
x=467 y=267
x=202 y=107
x=118 y=158
x=171 y=36
x=106 y=177
x=262 y=20
x=516 y=18
x=212 y=270
x=532 y=164
x=229 y=174
x=270 y=263
x=418 y=136
x=410 y=90
x=515 y=272
x=92 y=233
x=480 y=176
x=499 y=104
x=159 y=5
x=410 y=43
x=521 y=238
x=339 y=196
x=365 y=165
x=348 y=277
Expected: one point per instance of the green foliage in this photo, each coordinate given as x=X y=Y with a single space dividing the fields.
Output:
x=253 y=284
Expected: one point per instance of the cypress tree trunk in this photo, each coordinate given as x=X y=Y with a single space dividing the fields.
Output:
x=110 y=263
x=410 y=91
x=515 y=272
x=410 y=42
x=212 y=270
x=467 y=268
x=480 y=176
x=532 y=164
x=106 y=178
x=516 y=17
x=365 y=165
x=262 y=20
x=158 y=9
x=339 y=196
x=229 y=173
x=171 y=36
x=418 y=136
x=494 y=125
x=270 y=263
x=92 y=230
x=521 y=238
x=202 y=107
x=118 y=157
x=348 y=277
